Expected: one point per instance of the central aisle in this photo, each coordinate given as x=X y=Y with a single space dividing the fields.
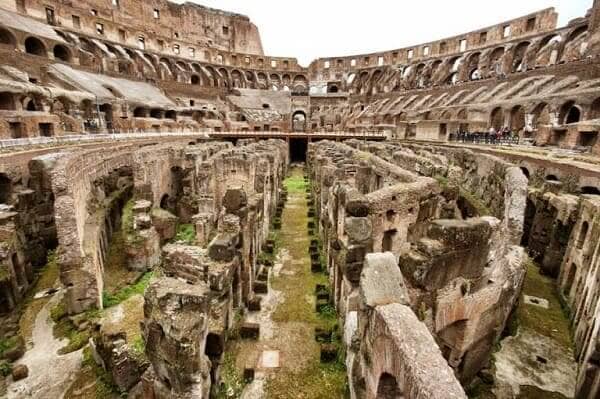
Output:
x=286 y=357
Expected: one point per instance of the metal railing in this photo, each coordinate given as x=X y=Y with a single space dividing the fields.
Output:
x=87 y=138
x=70 y=139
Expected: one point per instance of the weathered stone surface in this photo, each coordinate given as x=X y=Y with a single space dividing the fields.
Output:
x=165 y=223
x=175 y=328
x=381 y=281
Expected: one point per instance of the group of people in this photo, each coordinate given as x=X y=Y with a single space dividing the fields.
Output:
x=492 y=136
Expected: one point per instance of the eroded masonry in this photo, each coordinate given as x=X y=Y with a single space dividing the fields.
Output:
x=183 y=216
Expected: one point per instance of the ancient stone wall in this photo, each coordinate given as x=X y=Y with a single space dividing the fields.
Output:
x=463 y=274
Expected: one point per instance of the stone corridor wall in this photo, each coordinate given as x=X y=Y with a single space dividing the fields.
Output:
x=462 y=274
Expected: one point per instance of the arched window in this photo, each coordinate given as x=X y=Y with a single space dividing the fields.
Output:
x=62 y=53
x=195 y=79
x=35 y=46
x=7 y=38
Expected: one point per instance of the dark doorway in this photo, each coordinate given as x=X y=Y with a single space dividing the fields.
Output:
x=46 y=129
x=298 y=149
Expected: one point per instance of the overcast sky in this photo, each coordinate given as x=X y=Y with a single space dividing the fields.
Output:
x=309 y=29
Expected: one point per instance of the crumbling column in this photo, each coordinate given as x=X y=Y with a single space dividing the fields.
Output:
x=175 y=327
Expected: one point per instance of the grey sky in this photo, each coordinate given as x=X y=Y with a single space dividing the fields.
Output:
x=310 y=29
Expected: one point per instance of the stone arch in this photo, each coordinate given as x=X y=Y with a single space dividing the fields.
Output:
x=473 y=66
x=262 y=80
x=300 y=83
x=575 y=33
x=213 y=75
x=35 y=46
x=517 y=118
x=519 y=62
x=237 y=79
x=497 y=118
x=570 y=112
x=299 y=121
x=29 y=104
x=541 y=115
x=494 y=65
x=7 y=38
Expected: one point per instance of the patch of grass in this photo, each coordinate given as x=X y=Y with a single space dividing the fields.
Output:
x=64 y=328
x=8 y=343
x=551 y=322
x=5 y=368
x=127 y=218
x=46 y=279
x=295 y=184
x=317 y=381
x=186 y=233
x=105 y=387
x=232 y=383
x=138 y=348
x=109 y=300
x=475 y=202
x=58 y=312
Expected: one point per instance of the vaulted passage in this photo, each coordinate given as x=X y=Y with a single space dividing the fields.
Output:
x=298 y=148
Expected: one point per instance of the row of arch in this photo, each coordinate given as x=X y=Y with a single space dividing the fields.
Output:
x=558 y=47
x=137 y=62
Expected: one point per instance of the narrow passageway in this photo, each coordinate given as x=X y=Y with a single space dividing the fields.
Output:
x=287 y=357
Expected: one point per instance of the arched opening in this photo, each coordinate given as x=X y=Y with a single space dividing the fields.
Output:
x=387 y=243
x=570 y=113
x=387 y=387
x=171 y=114
x=541 y=115
x=299 y=121
x=497 y=118
x=35 y=46
x=29 y=104
x=582 y=234
x=517 y=119
x=62 y=53
x=332 y=89
x=519 y=64
x=7 y=38
x=195 y=79
x=107 y=112
x=164 y=202
x=552 y=178
x=525 y=171
x=494 y=65
x=5 y=189
x=214 y=346
x=590 y=190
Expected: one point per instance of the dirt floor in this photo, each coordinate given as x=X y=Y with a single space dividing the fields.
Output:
x=50 y=374
x=537 y=361
x=286 y=358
